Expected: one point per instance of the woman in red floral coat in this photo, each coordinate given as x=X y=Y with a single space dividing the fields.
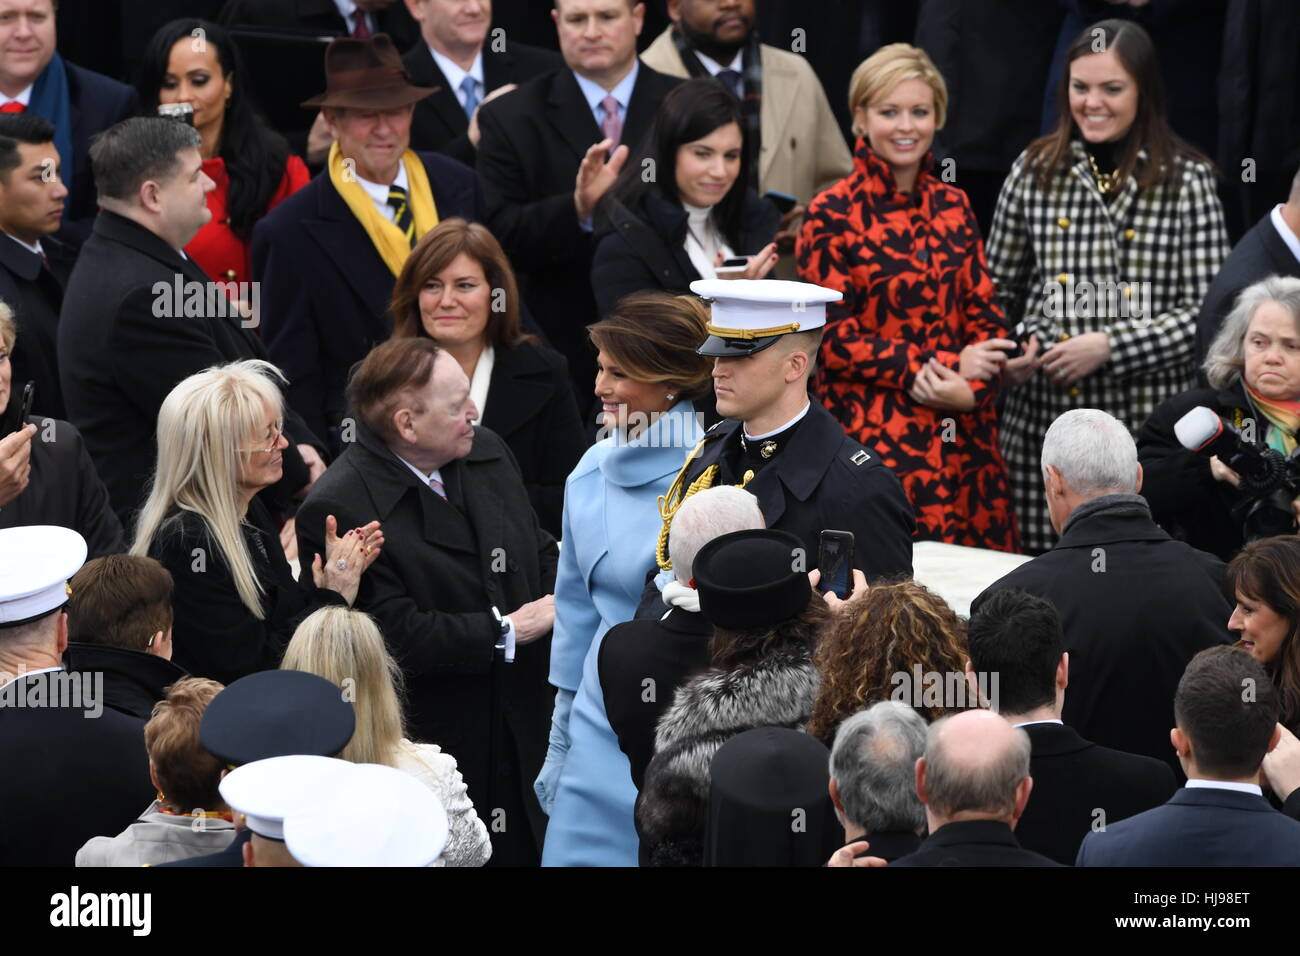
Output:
x=913 y=355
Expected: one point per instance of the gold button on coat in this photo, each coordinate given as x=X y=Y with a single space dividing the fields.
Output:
x=1063 y=278
x=1129 y=234
x=1063 y=222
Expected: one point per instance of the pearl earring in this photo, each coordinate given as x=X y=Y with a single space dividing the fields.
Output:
x=670 y=396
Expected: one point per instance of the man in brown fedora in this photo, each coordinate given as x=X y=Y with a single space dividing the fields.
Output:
x=327 y=257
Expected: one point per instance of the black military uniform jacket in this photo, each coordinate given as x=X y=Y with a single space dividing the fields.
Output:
x=817 y=478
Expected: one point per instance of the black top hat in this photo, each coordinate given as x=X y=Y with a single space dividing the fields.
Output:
x=750 y=579
x=276 y=714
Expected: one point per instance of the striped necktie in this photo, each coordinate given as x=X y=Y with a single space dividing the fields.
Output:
x=402 y=212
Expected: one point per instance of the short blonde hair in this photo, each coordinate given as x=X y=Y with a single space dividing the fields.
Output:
x=879 y=73
x=8 y=328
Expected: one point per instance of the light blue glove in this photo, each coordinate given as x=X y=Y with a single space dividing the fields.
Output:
x=557 y=749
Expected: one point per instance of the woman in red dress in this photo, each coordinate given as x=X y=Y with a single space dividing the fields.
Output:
x=194 y=61
x=913 y=354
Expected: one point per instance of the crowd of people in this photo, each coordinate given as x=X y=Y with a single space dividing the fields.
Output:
x=451 y=477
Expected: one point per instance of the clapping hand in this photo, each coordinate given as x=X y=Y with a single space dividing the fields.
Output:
x=595 y=176
x=346 y=557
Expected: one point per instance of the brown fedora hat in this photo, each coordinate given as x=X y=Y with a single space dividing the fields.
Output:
x=366 y=74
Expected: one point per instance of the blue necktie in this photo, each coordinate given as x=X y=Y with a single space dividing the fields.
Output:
x=470 y=87
x=733 y=81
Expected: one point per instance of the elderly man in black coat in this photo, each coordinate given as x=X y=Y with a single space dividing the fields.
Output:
x=1271 y=247
x=1135 y=604
x=327 y=257
x=462 y=590
x=138 y=315
x=966 y=828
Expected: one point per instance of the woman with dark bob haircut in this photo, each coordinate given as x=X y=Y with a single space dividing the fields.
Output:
x=1265 y=583
x=681 y=206
x=194 y=61
x=458 y=289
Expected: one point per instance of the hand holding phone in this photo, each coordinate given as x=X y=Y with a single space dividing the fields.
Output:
x=835 y=562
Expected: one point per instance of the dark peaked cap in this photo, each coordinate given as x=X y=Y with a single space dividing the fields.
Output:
x=752 y=578
x=276 y=714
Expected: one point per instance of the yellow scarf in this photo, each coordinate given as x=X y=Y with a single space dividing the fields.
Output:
x=1283 y=415
x=387 y=238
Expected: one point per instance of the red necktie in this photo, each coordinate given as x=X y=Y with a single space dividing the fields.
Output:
x=362 y=30
x=14 y=107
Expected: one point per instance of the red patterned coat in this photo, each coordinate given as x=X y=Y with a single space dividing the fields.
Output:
x=916 y=286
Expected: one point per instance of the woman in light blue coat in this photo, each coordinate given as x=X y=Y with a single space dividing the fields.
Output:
x=655 y=391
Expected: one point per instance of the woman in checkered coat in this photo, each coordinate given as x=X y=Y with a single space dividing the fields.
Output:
x=1106 y=236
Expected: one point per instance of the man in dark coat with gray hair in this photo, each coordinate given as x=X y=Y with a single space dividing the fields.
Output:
x=1136 y=605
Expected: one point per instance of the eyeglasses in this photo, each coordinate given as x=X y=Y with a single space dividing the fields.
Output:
x=277 y=431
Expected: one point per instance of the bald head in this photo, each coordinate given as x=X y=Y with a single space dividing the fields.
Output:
x=976 y=767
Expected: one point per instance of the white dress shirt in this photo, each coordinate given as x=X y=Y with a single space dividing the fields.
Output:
x=478 y=385
x=456 y=76
x=714 y=67
x=25 y=674
x=347 y=8
x=25 y=97
x=1224 y=785
x=378 y=193
x=1290 y=238
x=30 y=247
x=777 y=431
x=1031 y=723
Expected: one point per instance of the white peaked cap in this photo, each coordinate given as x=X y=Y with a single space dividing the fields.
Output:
x=267 y=791
x=35 y=564
x=377 y=816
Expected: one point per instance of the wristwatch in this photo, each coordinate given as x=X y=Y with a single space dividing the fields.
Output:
x=503 y=625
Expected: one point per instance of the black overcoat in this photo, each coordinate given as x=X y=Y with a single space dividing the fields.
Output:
x=325 y=288
x=1136 y=606
x=444 y=566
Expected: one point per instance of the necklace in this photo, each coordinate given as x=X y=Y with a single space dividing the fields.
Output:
x=1105 y=181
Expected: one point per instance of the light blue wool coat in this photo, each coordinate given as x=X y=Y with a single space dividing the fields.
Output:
x=611 y=526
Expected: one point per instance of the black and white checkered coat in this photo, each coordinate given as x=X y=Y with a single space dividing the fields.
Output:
x=1066 y=263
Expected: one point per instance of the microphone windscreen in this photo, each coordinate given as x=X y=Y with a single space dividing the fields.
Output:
x=1198 y=428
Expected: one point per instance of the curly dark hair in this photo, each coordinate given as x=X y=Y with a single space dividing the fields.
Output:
x=889 y=630
x=736 y=648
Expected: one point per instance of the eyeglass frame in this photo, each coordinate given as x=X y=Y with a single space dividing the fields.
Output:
x=279 y=433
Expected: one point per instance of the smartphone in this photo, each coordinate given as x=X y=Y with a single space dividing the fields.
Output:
x=836 y=563
x=733 y=268
x=784 y=202
x=24 y=407
x=177 y=111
